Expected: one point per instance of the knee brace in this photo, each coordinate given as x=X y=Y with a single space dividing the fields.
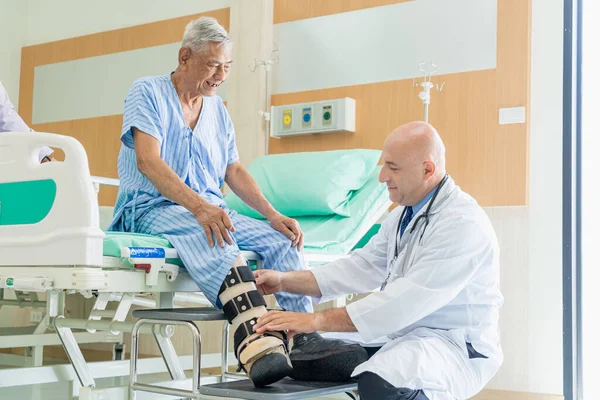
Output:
x=263 y=357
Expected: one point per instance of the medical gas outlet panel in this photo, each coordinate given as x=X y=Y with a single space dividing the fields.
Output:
x=314 y=118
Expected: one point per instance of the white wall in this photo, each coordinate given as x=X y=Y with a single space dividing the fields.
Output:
x=545 y=210
x=590 y=201
x=55 y=20
x=510 y=224
x=13 y=29
x=341 y=50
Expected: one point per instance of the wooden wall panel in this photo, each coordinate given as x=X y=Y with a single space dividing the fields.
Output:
x=101 y=139
x=513 y=68
x=488 y=160
x=26 y=84
x=513 y=58
x=293 y=10
x=484 y=162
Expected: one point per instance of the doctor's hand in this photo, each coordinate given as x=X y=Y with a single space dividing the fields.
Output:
x=290 y=228
x=268 y=281
x=215 y=221
x=290 y=322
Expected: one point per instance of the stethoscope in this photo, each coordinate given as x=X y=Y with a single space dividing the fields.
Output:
x=424 y=216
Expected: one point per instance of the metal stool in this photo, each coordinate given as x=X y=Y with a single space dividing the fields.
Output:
x=162 y=321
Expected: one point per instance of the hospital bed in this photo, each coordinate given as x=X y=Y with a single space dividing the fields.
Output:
x=51 y=242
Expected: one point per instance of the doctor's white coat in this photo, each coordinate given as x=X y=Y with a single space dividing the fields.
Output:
x=443 y=292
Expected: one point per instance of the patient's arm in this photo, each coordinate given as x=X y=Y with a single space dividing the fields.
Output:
x=167 y=182
x=246 y=188
x=244 y=185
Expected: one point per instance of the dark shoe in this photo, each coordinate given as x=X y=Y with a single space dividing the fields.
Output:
x=317 y=359
x=269 y=368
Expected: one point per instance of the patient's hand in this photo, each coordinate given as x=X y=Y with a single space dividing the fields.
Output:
x=215 y=221
x=290 y=228
x=268 y=281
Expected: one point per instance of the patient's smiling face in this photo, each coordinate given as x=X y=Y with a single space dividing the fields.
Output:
x=208 y=68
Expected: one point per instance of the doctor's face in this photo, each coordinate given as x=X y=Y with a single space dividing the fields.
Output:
x=403 y=175
x=208 y=68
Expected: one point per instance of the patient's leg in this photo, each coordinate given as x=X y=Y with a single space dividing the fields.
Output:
x=263 y=357
x=312 y=356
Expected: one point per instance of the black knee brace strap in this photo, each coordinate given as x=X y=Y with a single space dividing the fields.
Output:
x=243 y=303
x=245 y=330
x=237 y=275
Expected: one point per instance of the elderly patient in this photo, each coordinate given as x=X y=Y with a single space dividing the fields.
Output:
x=435 y=261
x=178 y=148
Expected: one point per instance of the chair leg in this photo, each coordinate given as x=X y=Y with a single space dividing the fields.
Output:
x=135 y=333
x=225 y=352
x=196 y=354
x=197 y=351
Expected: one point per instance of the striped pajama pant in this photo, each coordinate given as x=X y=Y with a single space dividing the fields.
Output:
x=207 y=265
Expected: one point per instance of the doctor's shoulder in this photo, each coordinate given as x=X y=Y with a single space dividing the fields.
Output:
x=470 y=220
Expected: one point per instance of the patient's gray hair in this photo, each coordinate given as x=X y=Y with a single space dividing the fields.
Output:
x=202 y=31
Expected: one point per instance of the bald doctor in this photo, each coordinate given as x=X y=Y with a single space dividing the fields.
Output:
x=10 y=121
x=434 y=266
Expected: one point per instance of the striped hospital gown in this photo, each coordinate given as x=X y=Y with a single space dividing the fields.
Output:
x=200 y=158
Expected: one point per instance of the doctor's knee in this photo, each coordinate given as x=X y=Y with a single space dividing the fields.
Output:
x=373 y=387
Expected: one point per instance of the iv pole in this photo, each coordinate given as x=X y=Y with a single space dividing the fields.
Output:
x=427 y=69
x=266 y=114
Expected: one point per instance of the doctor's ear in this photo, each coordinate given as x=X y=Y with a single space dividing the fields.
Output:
x=429 y=168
